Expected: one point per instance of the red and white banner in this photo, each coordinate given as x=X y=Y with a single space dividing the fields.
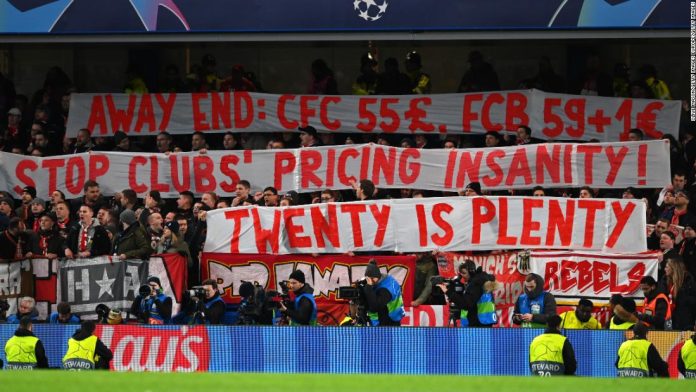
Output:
x=550 y=116
x=324 y=273
x=570 y=276
x=601 y=165
x=418 y=225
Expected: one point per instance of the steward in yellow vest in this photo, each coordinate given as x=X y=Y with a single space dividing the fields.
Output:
x=550 y=353
x=581 y=317
x=24 y=351
x=624 y=314
x=86 y=351
x=638 y=357
x=687 y=358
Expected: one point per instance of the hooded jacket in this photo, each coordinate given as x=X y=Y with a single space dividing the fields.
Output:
x=104 y=353
x=468 y=300
x=549 y=302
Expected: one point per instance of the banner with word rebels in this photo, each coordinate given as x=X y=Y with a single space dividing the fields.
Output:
x=601 y=165
x=324 y=273
x=570 y=276
x=418 y=225
x=550 y=116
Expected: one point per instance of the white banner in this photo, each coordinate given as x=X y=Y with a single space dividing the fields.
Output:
x=601 y=165
x=418 y=225
x=570 y=276
x=550 y=116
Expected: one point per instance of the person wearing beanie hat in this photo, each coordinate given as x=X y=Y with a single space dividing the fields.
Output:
x=121 y=142
x=49 y=240
x=173 y=242
x=385 y=305
x=638 y=357
x=543 y=352
x=132 y=242
x=303 y=310
x=309 y=137
x=472 y=189
x=155 y=308
x=471 y=294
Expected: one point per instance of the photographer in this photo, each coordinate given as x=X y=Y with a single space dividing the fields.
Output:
x=201 y=305
x=151 y=306
x=254 y=307
x=476 y=300
x=303 y=311
x=385 y=306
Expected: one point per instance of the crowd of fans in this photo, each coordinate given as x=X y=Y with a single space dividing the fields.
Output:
x=126 y=226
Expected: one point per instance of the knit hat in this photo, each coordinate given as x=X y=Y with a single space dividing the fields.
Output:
x=474 y=186
x=119 y=136
x=127 y=217
x=15 y=112
x=173 y=226
x=7 y=200
x=30 y=190
x=38 y=200
x=372 y=270
x=50 y=215
x=154 y=279
x=310 y=130
x=298 y=276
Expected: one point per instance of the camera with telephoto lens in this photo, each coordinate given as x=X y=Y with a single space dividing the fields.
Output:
x=197 y=292
x=352 y=292
x=455 y=284
x=275 y=298
x=145 y=290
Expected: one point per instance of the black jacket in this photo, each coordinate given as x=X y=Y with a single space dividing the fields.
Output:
x=101 y=244
x=469 y=298
x=164 y=308
x=684 y=311
x=303 y=313
x=41 y=359
x=549 y=303
x=377 y=302
x=104 y=353
x=8 y=244
x=656 y=320
x=53 y=241
x=655 y=363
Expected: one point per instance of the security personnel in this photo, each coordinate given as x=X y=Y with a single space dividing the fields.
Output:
x=156 y=307
x=550 y=353
x=420 y=81
x=687 y=358
x=385 y=305
x=303 y=311
x=639 y=358
x=476 y=301
x=657 y=312
x=534 y=307
x=24 y=351
x=86 y=351
x=581 y=317
x=624 y=315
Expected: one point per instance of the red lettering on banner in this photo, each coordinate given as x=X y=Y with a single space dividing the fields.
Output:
x=364 y=161
x=132 y=174
x=503 y=237
x=221 y=110
x=264 y=236
x=645 y=120
x=236 y=216
x=415 y=114
x=567 y=278
x=548 y=163
x=97 y=116
x=479 y=218
x=584 y=275
x=623 y=215
x=469 y=167
x=551 y=275
x=330 y=167
x=295 y=239
x=556 y=128
x=325 y=228
x=343 y=178
x=409 y=171
x=600 y=274
x=642 y=162
x=284 y=163
x=199 y=120
x=310 y=160
x=324 y=113
x=589 y=152
x=569 y=275
x=185 y=172
x=355 y=210
x=529 y=225
x=120 y=119
x=515 y=111
x=98 y=166
x=492 y=99
x=28 y=164
x=592 y=206
x=497 y=177
x=624 y=113
x=382 y=219
x=386 y=112
x=615 y=160
x=385 y=165
x=519 y=167
x=282 y=118
x=154 y=176
x=422 y=225
x=203 y=174
x=52 y=165
x=635 y=274
x=307 y=112
x=446 y=237
x=226 y=164
x=575 y=111
x=468 y=113
x=167 y=106
x=364 y=113
x=568 y=163
x=243 y=100
x=146 y=114
x=74 y=186
x=560 y=221
x=449 y=171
